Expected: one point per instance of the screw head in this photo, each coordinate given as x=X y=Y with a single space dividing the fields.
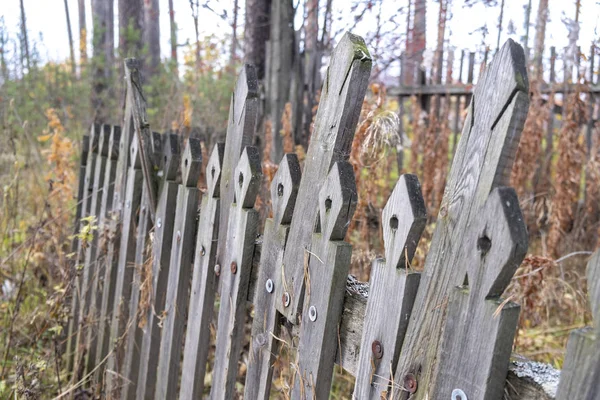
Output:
x=377 y=349
x=178 y=236
x=158 y=223
x=410 y=383
x=217 y=269
x=286 y=299
x=312 y=313
x=269 y=286
x=202 y=251
x=458 y=394
x=233 y=267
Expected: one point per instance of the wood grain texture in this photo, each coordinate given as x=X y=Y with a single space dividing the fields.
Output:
x=483 y=161
x=339 y=108
x=480 y=326
x=581 y=369
x=241 y=126
x=180 y=273
x=393 y=287
x=265 y=326
x=235 y=274
x=161 y=257
x=202 y=297
x=325 y=275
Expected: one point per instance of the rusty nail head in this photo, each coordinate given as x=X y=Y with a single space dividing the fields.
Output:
x=233 y=267
x=286 y=299
x=377 y=349
x=217 y=269
x=410 y=383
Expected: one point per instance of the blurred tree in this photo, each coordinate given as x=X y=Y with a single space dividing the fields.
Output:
x=24 y=39
x=415 y=42
x=131 y=22
x=540 y=36
x=256 y=34
x=173 y=27
x=103 y=59
x=151 y=37
x=234 y=39
x=82 y=32
x=70 y=33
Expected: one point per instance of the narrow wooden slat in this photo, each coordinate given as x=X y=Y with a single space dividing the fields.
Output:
x=235 y=274
x=581 y=369
x=180 y=272
x=161 y=255
x=123 y=285
x=392 y=290
x=265 y=326
x=483 y=161
x=339 y=108
x=202 y=298
x=480 y=329
x=325 y=275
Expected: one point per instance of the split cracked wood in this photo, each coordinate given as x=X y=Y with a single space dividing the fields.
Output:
x=180 y=272
x=392 y=290
x=581 y=369
x=339 y=108
x=325 y=274
x=161 y=256
x=265 y=326
x=235 y=273
x=482 y=162
x=202 y=298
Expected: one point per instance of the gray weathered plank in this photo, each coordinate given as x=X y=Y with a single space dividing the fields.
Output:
x=480 y=328
x=202 y=297
x=483 y=161
x=235 y=274
x=265 y=326
x=339 y=108
x=180 y=272
x=393 y=287
x=161 y=255
x=241 y=126
x=325 y=273
x=580 y=376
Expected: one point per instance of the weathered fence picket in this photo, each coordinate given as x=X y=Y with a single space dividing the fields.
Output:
x=445 y=333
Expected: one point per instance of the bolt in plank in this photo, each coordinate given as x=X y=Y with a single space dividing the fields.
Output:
x=325 y=274
x=483 y=161
x=202 y=297
x=581 y=369
x=481 y=326
x=180 y=272
x=265 y=326
x=235 y=274
x=339 y=108
x=392 y=290
x=161 y=256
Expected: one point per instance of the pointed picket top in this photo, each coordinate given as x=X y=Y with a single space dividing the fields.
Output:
x=497 y=246
x=593 y=281
x=404 y=218
x=248 y=175
x=191 y=163
x=337 y=201
x=113 y=143
x=213 y=170
x=246 y=87
x=171 y=156
x=284 y=189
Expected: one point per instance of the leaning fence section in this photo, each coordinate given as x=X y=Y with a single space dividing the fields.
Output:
x=158 y=254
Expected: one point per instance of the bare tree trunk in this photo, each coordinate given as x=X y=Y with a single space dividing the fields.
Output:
x=439 y=52
x=526 y=23
x=540 y=36
x=415 y=45
x=82 y=32
x=312 y=65
x=24 y=39
x=195 y=8
x=71 y=49
x=173 y=26
x=256 y=34
x=500 y=25
x=234 y=41
x=151 y=29
x=103 y=60
x=131 y=22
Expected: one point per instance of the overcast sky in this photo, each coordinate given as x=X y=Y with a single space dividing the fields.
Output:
x=46 y=19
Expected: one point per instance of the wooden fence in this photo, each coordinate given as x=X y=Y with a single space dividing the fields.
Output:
x=150 y=266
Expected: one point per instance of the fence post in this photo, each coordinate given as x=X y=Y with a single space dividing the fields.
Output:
x=266 y=323
x=392 y=290
x=180 y=273
x=581 y=368
x=202 y=298
x=154 y=297
x=482 y=162
x=339 y=108
x=235 y=273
